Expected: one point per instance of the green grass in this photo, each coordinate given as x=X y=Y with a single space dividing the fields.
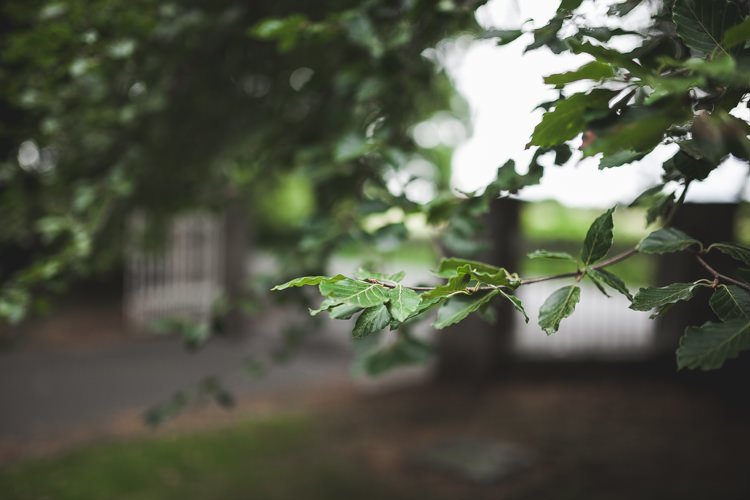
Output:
x=551 y=221
x=279 y=458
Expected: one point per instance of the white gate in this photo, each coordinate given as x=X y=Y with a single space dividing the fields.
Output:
x=182 y=279
x=600 y=327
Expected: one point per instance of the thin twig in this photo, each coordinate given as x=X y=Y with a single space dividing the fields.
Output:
x=676 y=207
x=722 y=277
x=531 y=281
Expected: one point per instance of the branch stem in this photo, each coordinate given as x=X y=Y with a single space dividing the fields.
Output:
x=721 y=277
x=573 y=274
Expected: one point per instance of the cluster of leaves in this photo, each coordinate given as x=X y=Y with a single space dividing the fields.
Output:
x=682 y=85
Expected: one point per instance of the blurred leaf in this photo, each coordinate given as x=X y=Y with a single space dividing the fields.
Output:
x=546 y=254
x=567 y=120
x=595 y=70
x=607 y=55
x=557 y=307
x=637 y=129
x=737 y=34
x=508 y=179
x=408 y=350
x=620 y=158
x=569 y=5
x=623 y=8
x=503 y=37
x=702 y=23
x=737 y=252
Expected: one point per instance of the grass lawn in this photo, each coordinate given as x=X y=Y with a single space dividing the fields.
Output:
x=276 y=458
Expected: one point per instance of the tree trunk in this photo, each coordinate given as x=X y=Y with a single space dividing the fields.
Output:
x=475 y=350
x=236 y=253
x=709 y=223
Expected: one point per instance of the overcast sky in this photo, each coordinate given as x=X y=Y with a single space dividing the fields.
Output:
x=503 y=85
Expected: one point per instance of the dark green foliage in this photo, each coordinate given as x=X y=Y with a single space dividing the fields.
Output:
x=164 y=108
x=667 y=240
x=598 y=239
x=661 y=298
x=677 y=87
x=558 y=306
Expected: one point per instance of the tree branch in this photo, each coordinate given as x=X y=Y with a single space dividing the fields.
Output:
x=721 y=277
x=487 y=288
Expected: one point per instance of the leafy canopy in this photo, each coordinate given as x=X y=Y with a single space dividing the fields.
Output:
x=680 y=84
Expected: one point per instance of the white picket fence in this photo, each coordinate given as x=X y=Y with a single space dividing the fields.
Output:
x=600 y=328
x=182 y=279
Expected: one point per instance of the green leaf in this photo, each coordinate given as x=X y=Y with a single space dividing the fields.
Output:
x=607 y=55
x=358 y=293
x=666 y=240
x=326 y=305
x=721 y=68
x=450 y=267
x=568 y=119
x=661 y=298
x=737 y=34
x=668 y=86
x=620 y=158
x=344 y=311
x=691 y=168
x=503 y=37
x=458 y=309
x=364 y=274
x=500 y=278
x=737 y=252
x=455 y=285
x=636 y=129
x=598 y=239
x=557 y=307
x=546 y=254
x=701 y=24
x=708 y=346
x=372 y=320
x=508 y=179
x=403 y=302
x=595 y=70
x=516 y=302
x=569 y=5
x=547 y=35
x=609 y=279
x=730 y=302
x=307 y=280
x=623 y=8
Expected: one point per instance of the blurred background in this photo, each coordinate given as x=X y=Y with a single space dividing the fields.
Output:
x=163 y=165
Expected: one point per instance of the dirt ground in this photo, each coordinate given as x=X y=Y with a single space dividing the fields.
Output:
x=610 y=437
